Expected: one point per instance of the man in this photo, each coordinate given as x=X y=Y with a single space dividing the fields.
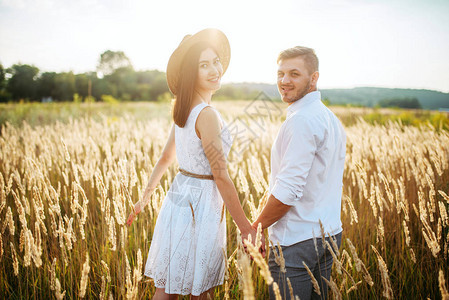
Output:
x=307 y=161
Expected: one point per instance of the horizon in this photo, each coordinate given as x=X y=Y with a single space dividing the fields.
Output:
x=401 y=44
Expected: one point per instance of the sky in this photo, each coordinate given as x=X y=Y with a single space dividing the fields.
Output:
x=383 y=43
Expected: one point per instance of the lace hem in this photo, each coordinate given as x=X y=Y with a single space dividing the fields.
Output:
x=160 y=284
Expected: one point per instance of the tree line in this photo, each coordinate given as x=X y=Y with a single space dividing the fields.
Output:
x=405 y=102
x=114 y=78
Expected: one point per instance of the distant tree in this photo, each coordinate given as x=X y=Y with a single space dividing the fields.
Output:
x=101 y=87
x=400 y=102
x=22 y=84
x=86 y=83
x=124 y=82
x=59 y=86
x=64 y=86
x=151 y=84
x=229 y=91
x=113 y=60
x=159 y=86
x=2 y=76
x=82 y=84
x=4 y=95
x=226 y=92
x=46 y=85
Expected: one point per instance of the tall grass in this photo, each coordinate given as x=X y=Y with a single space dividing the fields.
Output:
x=66 y=188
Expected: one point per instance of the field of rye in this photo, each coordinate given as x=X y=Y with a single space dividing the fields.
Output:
x=67 y=186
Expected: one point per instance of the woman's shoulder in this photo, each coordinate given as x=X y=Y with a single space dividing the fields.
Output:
x=208 y=118
x=208 y=114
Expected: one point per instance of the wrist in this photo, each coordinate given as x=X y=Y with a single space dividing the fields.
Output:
x=254 y=225
x=137 y=207
x=246 y=228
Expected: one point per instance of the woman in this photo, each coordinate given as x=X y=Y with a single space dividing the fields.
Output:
x=188 y=250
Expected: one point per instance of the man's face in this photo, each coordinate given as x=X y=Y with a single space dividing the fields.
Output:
x=294 y=80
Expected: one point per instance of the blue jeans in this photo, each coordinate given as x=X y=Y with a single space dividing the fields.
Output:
x=319 y=263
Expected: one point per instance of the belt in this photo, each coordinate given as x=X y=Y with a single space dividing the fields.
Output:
x=199 y=176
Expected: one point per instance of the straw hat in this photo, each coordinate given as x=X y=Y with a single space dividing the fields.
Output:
x=215 y=37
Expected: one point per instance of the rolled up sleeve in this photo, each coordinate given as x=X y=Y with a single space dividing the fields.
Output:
x=297 y=152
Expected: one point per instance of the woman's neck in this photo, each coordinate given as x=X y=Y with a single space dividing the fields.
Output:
x=201 y=96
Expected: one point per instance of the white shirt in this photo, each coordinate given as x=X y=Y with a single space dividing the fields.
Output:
x=307 y=162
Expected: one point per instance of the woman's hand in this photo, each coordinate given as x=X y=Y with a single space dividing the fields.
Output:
x=138 y=207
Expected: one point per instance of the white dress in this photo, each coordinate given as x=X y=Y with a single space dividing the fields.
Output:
x=188 y=250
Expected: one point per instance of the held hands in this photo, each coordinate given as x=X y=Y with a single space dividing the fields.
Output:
x=256 y=239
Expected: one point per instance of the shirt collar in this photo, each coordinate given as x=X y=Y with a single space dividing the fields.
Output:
x=309 y=98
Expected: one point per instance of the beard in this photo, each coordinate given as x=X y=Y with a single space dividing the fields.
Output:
x=301 y=93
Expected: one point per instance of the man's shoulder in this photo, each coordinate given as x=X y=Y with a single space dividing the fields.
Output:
x=297 y=119
x=304 y=117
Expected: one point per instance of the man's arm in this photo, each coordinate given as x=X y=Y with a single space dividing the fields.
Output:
x=273 y=211
x=299 y=149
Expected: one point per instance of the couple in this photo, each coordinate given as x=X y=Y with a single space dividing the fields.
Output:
x=188 y=250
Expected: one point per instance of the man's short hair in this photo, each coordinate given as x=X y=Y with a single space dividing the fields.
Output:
x=308 y=54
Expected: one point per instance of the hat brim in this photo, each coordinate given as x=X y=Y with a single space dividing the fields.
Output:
x=214 y=37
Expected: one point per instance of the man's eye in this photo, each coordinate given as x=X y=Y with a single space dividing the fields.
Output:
x=295 y=74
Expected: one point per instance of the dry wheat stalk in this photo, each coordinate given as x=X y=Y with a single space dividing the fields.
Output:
x=357 y=261
x=261 y=263
x=337 y=262
x=276 y=290
x=58 y=293
x=226 y=290
x=245 y=280
x=315 y=284
x=442 y=283
x=290 y=288
x=84 y=276
x=387 y=292
x=354 y=217
x=14 y=259
x=354 y=287
x=444 y=195
x=334 y=288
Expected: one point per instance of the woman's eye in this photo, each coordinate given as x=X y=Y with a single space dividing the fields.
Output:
x=204 y=66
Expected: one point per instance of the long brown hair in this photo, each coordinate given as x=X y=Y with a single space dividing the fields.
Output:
x=186 y=83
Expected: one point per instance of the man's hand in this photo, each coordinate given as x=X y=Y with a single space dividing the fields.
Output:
x=251 y=234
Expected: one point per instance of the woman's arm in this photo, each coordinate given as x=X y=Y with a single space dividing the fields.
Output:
x=167 y=157
x=209 y=129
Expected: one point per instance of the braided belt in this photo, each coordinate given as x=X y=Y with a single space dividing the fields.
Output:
x=186 y=173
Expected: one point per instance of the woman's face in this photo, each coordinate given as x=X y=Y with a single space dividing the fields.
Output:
x=209 y=71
